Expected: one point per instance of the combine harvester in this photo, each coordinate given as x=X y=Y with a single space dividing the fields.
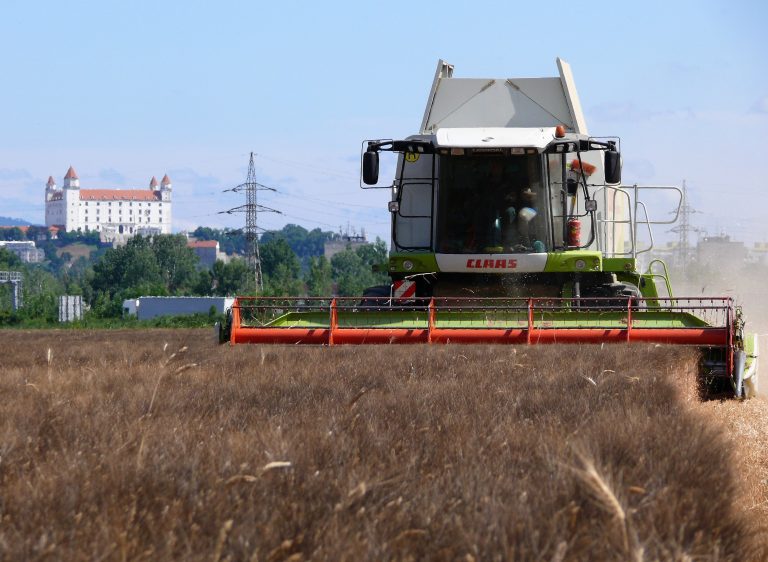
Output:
x=510 y=225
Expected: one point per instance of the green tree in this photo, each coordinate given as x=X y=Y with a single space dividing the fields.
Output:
x=230 y=241
x=41 y=295
x=38 y=233
x=353 y=269
x=12 y=234
x=304 y=243
x=228 y=279
x=132 y=268
x=349 y=273
x=176 y=261
x=281 y=269
x=373 y=254
x=320 y=277
x=9 y=260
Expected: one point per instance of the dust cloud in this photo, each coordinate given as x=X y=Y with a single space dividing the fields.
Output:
x=725 y=273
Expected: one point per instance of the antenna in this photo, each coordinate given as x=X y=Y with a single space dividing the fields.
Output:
x=252 y=210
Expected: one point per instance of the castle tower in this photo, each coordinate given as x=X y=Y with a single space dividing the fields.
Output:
x=50 y=188
x=153 y=184
x=166 y=188
x=71 y=202
x=71 y=181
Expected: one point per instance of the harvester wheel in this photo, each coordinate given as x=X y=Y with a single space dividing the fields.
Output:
x=618 y=290
x=224 y=328
x=374 y=296
x=740 y=361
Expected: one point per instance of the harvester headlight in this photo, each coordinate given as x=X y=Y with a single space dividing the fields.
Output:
x=580 y=264
x=393 y=206
x=407 y=265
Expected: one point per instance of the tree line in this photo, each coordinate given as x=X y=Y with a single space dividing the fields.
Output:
x=292 y=264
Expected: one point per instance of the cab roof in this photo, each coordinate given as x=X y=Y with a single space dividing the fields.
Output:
x=494 y=137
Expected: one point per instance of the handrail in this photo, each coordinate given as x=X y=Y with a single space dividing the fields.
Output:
x=614 y=222
x=664 y=275
x=634 y=206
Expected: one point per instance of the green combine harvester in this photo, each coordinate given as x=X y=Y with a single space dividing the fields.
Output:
x=510 y=225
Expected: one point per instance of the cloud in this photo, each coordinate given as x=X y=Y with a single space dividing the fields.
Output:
x=278 y=182
x=677 y=69
x=638 y=170
x=353 y=159
x=615 y=112
x=22 y=195
x=7 y=174
x=188 y=182
x=629 y=112
x=111 y=176
x=760 y=106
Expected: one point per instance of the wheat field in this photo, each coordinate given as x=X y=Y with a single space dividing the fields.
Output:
x=160 y=445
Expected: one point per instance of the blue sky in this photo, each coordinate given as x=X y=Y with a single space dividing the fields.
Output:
x=124 y=91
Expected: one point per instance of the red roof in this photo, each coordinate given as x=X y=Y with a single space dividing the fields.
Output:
x=71 y=174
x=203 y=244
x=153 y=182
x=50 y=181
x=26 y=228
x=117 y=195
x=166 y=180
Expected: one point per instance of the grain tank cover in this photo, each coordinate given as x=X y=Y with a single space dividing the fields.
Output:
x=503 y=102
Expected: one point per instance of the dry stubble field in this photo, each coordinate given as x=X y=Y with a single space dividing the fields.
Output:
x=156 y=445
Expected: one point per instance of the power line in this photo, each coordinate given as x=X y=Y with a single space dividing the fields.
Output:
x=320 y=169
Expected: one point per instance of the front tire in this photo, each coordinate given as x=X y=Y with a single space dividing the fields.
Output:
x=376 y=295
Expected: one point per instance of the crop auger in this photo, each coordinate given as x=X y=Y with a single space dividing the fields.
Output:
x=510 y=225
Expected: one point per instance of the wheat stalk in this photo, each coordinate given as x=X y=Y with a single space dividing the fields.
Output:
x=223 y=532
x=602 y=492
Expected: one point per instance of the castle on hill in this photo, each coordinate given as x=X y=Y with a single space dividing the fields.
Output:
x=116 y=214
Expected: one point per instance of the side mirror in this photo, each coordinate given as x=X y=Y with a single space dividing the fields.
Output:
x=370 y=167
x=612 y=167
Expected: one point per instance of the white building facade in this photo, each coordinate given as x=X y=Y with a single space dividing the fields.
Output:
x=26 y=251
x=115 y=213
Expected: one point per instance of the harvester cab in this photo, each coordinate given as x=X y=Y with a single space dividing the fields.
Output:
x=510 y=224
x=470 y=205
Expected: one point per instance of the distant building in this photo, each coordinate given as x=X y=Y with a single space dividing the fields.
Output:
x=759 y=252
x=146 y=308
x=722 y=252
x=26 y=251
x=342 y=242
x=208 y=251
x=116 y=214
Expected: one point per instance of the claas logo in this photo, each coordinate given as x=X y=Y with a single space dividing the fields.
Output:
x=476 y=263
